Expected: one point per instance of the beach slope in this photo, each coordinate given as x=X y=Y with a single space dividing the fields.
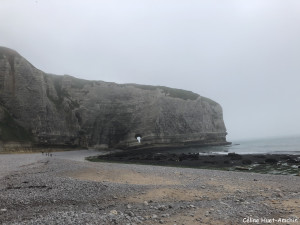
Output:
x=66 y=190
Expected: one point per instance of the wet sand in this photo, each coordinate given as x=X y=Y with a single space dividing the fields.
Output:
x=14 y=162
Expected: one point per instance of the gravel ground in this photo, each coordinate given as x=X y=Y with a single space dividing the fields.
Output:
x=65 y=189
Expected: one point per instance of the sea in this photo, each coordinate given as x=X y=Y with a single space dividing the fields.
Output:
x=279 y=145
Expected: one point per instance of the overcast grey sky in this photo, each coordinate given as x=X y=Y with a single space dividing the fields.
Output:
x=244 y=54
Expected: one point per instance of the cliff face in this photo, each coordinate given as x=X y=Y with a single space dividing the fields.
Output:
x=51 y=110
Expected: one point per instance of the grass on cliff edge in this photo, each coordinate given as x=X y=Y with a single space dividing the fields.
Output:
x=172 y=92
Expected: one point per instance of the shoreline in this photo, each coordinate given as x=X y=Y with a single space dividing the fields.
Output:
x=19 y=147
x=54 y=150
x=181 y=145
x=265 y=163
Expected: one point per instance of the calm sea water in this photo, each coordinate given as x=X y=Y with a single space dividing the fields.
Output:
x=284 y=145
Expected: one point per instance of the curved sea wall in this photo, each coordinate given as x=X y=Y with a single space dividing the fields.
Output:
x=50 y=110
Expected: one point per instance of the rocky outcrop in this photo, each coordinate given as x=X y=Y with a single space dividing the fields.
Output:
x=49 y=110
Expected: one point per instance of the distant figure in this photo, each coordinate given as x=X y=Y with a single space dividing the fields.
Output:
x=139 y=139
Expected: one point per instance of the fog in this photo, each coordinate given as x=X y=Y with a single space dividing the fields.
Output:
x=243 y=54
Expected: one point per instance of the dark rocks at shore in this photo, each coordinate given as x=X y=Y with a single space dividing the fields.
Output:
x=271 y=160
x=231 y=161
x=234 y=156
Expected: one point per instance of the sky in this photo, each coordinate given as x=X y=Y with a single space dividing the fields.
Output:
x=243 y=54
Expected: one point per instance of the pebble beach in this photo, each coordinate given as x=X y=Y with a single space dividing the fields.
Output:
x=66 y=189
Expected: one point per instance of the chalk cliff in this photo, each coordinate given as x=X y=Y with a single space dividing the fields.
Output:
x=42 y=109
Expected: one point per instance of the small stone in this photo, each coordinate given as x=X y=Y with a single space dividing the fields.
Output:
x=130 y=214
x=165 y=215
x=154 y=216
x=161 y=221
x=162 y=208
x=140 y=218
x=278 y=195
x=129 y=206
x=3 y=210
x=146 y=203
x=113 y=212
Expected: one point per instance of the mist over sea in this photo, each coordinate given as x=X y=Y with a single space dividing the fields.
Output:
x=282 y=145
